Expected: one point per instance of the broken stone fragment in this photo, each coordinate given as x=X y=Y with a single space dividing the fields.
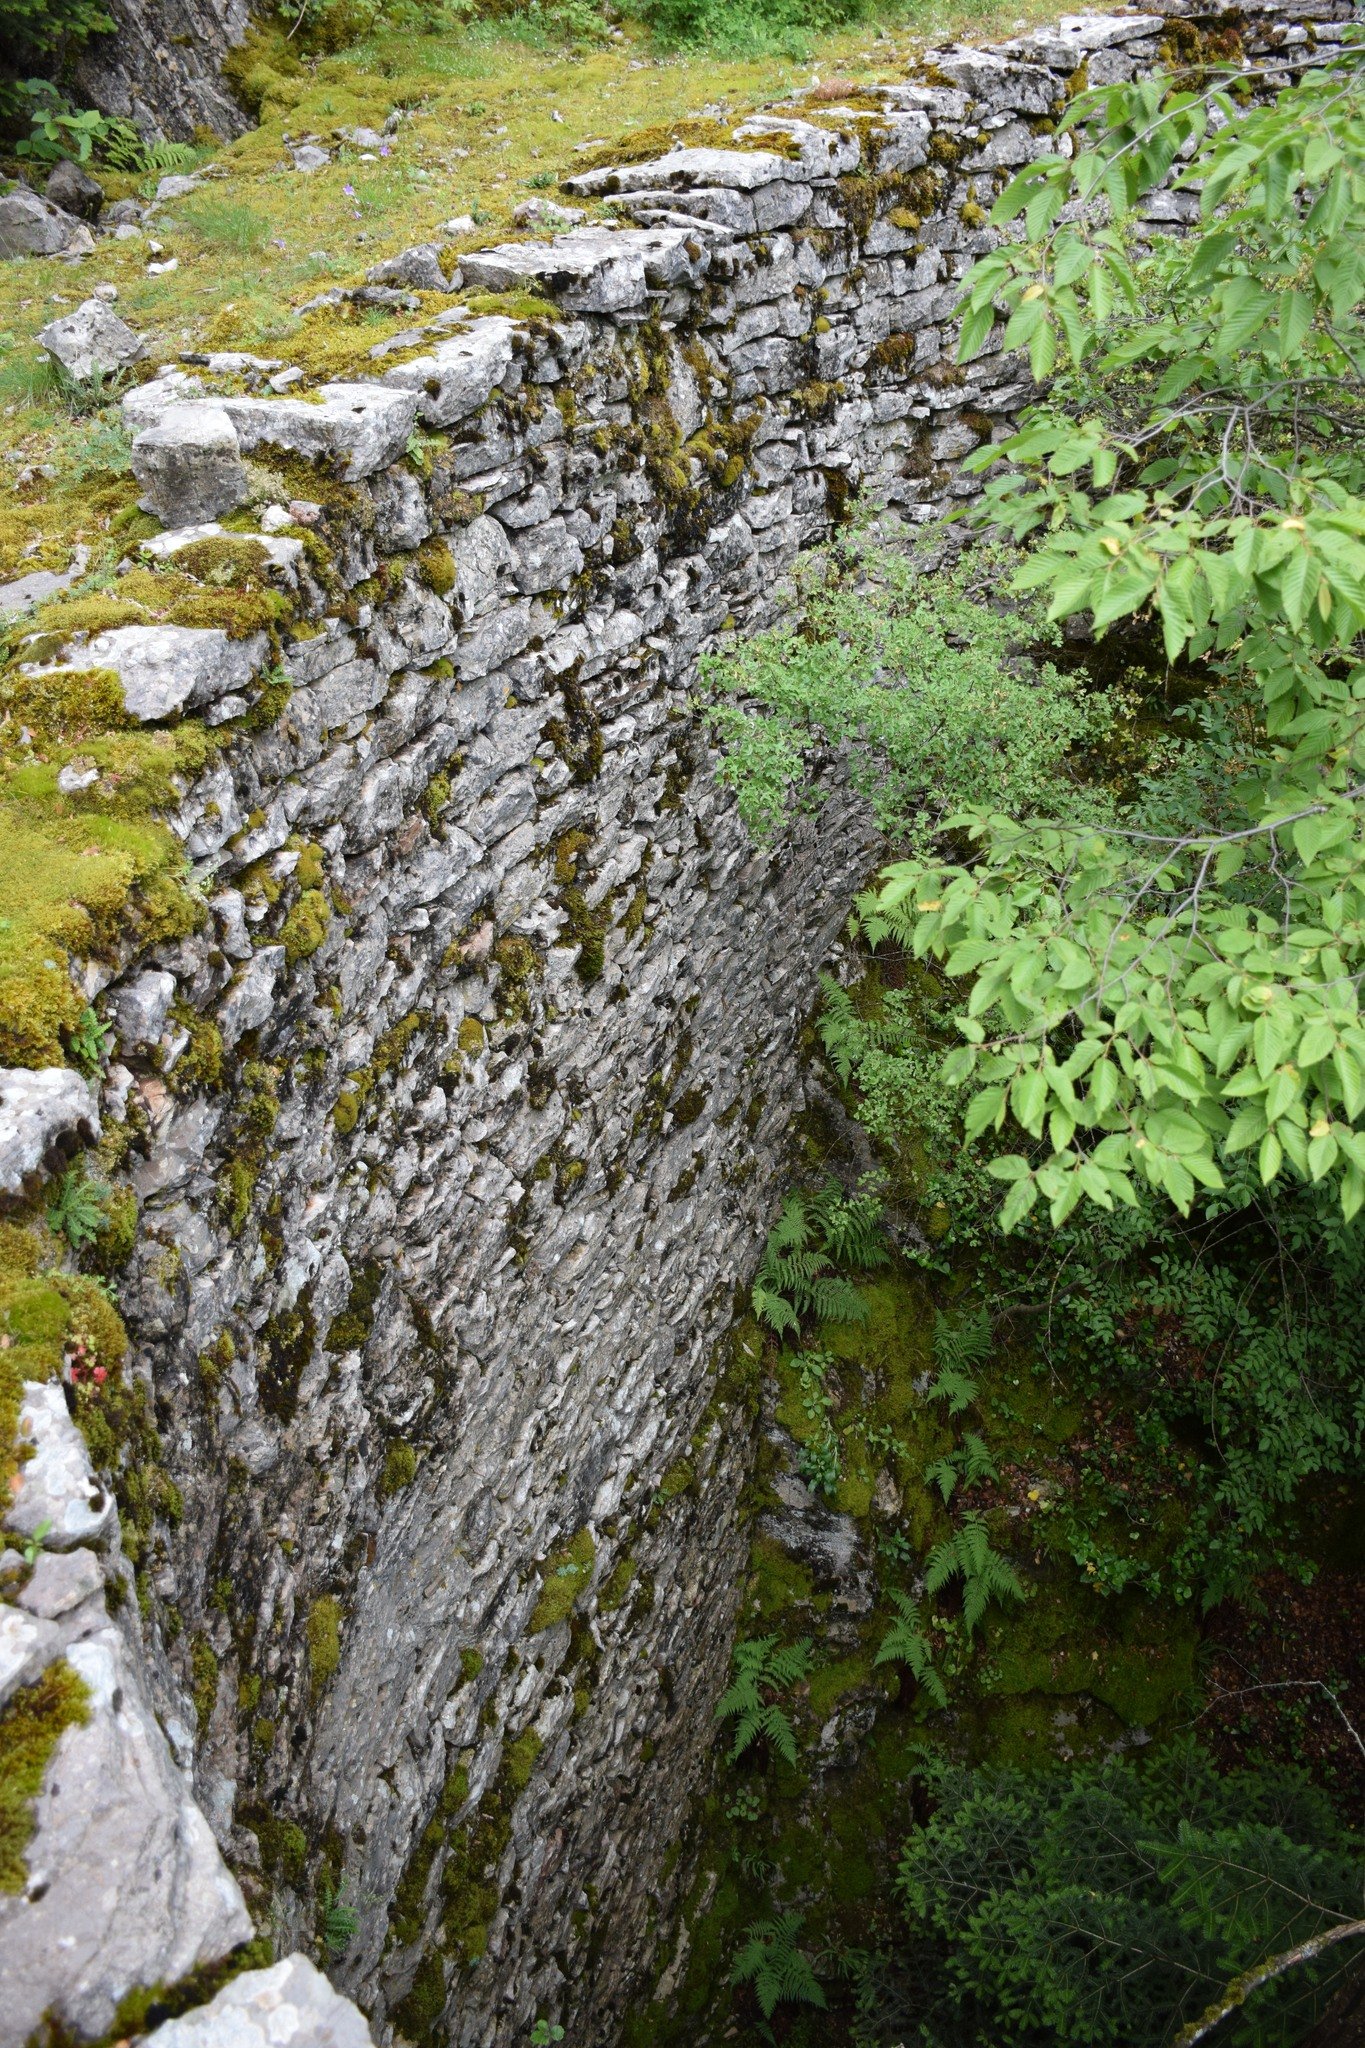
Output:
x=592 y=270
x=250 y=1001
x=189 y=465
x=141 y=1007
x=546 y=213
x=290 y=2005
x=91 y=342
x=418 y=268
x=57 y=1485
x=146 y=403
x=126 y=1887
x=45 y=1113
x=310 y=157
x=33 y=226
x=359 y=428
x=177 y=185
x=73 y=189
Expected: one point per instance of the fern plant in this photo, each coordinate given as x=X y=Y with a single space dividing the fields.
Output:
x=76 y=1209
x=906 y=1643
x=959 y=1343
x=762 y=1669
x=813 y=1234
x=985 y=1574
x=771 y=1961
x=966 y=1464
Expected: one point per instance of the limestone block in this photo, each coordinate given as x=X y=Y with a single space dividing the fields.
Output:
x=31 y=226
x=164 y=669
x=126 y=1886
x=57 y=1485
x=44 y=1113
x=418 y=268
x=189 y=465
x=61 y=1580
x=177 y=185
x=73 y=189
x=484 y=561
x=251 y=999
x=825 y=152
x=290 y=2005
x=91 y=342
x=142 y=1006
x=1063 y=45
x=360 y=428
x=737 y=170
x=593 y=270
x=146 y=403
x=28 y=1643
x=282 y=551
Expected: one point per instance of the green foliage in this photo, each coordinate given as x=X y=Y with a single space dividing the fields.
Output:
x=819 y=1462
x=56 y=131
x=813 y=1234
x=906 y=1643
x=902 y=659
x=340 y=1921
x=775 y=1966
x=1112 y=1904
x=1155 y=993
x=959 y=1343
x=544 y=2032
x=90 y=1044
x=985 y=1574
x=761 y=1670
x=964 y=1465
x=76 y=1208
x=46 y=35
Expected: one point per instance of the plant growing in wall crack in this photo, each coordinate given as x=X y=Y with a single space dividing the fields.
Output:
x=967 y=1554
x=906 y=1643
x=813 y=1235
x=763 y=1670
x=771 y=1961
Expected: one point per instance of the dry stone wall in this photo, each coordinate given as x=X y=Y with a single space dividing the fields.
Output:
x=455 y=1126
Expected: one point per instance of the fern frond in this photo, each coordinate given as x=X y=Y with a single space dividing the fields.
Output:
x=773 y=1723
x=977 y=1462
x=774 y=1309
x=941 y=1565
x=942 y=1473
x=954 y=1387
x=962 y=1342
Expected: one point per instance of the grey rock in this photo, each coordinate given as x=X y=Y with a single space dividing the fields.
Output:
x=290 y=2005
x=189 y=465
x=44 y=1113
x=142 y=1006
x=360 y=138
x=125 y=1883
x=591 y=269
x=73 y=189
x=28 y=1643
x=310 y=156
x=146 y=403
x=123 y=213
x=29 y=590
x=251 y=999
x=165 y=669
x=459 y=375
x=360 y=428
x=91 y=342
x=547 y=213
x=738 y=170
x=62 y=1580
x=57 y=1484
x=177 y=185
x=32 y=226
x=484 y=560
x=418 y=268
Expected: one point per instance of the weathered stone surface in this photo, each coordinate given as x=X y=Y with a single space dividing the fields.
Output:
x=28 y=1643
x=165 y=669
x=419 y=268
x=356 y=427
x=57 y=1485
x=189 y=465
x=126 y=1886
x=290 y=2005
x=459 y=375
x=72 y=188
x=91 y=342
x=32 y=226
x=160 y=66
x=61 y=1580
x=592 y=270
x=42 y=1113
x=142 y=1006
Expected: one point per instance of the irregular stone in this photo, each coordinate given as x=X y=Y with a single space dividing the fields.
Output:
x=44 y=1113
x=29 y=590
x=592 y=270
x=126 y=1887
x=91 y=342
x=310 y=157
x=62 y=1580
x=142 y=1006
x=57 y=1485
x=146 y=403
x=484 y=560
x=73 y=189
x=459 y=375
x=28 y=1643
x=360 y=138
x=189 y=465
x=418 y=268
x=547 y=213
x=739 y=170
x=164 y=669
x=290 y=2005
x=177 y=185
x=251 y=999
x=360 y=428
x=32 y=226
x=282 y=553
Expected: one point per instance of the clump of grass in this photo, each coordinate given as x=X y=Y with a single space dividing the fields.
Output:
x=227 y=224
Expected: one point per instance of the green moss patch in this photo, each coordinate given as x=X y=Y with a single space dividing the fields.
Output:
x=30 y=1728
x=564 y=1576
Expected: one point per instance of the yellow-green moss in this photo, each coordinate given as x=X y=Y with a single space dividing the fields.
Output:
x=564 y=1575
x=204 y=1681
x=323 y=1629
x=400 y=1469
x=305 y=927
x=30 y=1728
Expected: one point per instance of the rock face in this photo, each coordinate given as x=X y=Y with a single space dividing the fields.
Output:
x=32 y=226
x=74 y=190
x=161 y=66
x=42 y=1115
x=447 y=1200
